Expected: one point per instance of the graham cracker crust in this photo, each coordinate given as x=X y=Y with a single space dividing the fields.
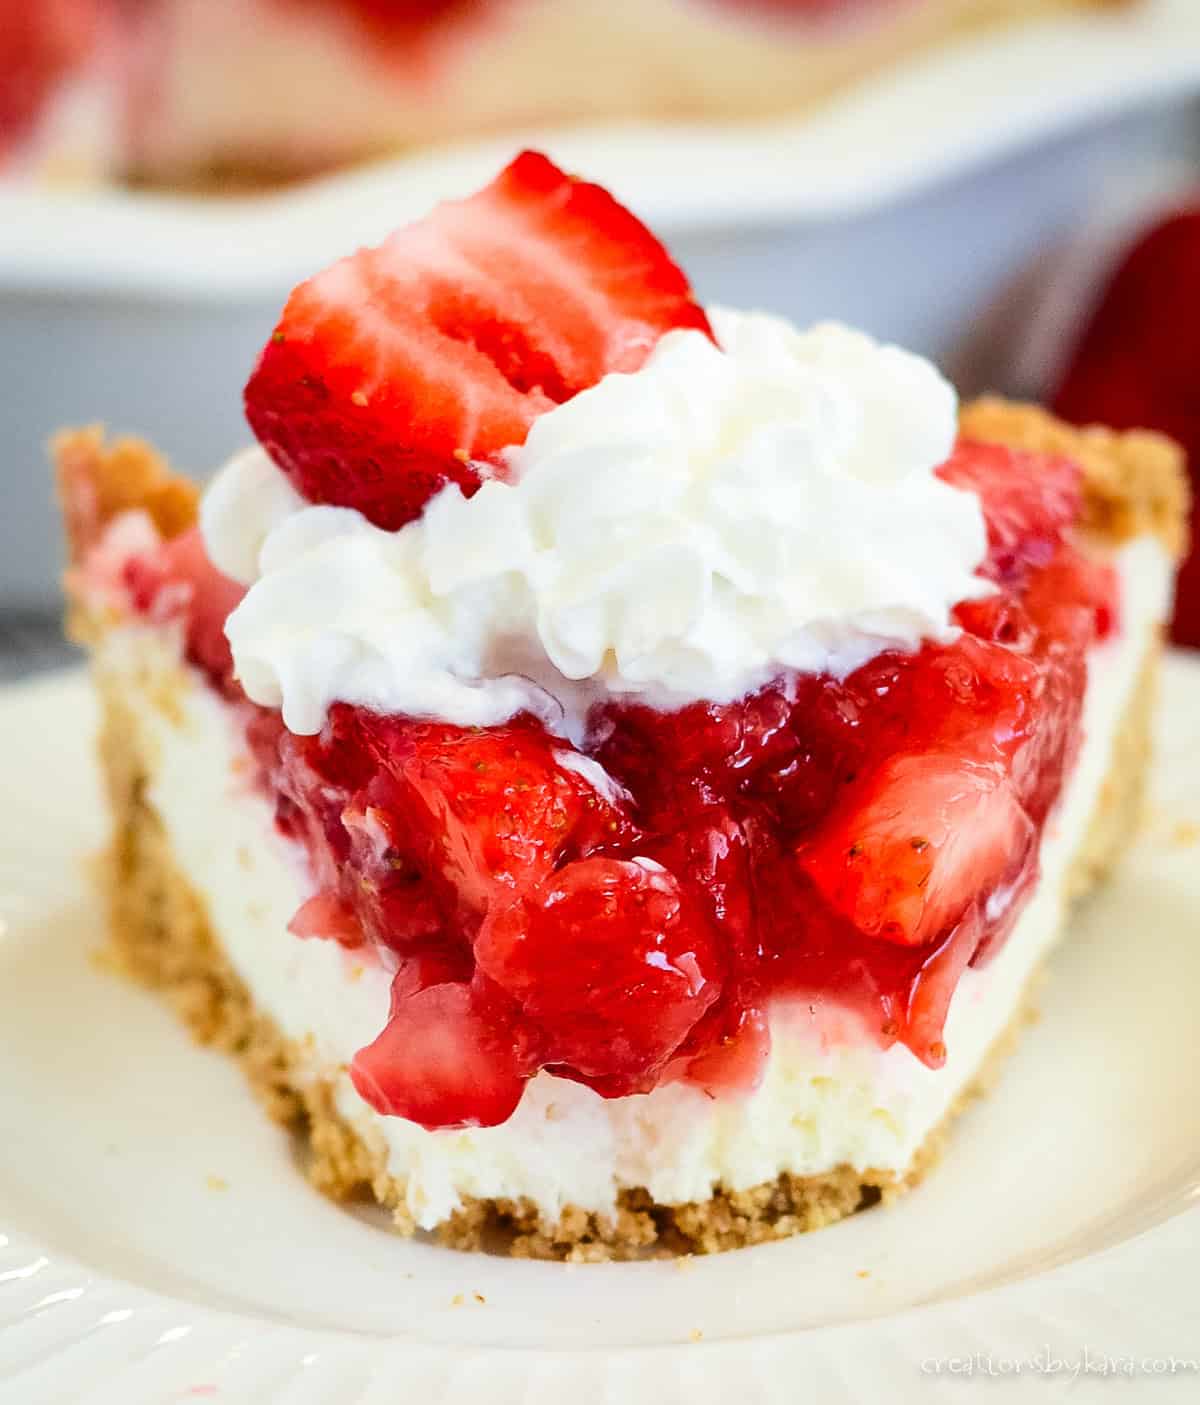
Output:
x=161 y=935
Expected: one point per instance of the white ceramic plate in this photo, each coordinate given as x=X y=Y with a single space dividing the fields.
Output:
x=891 y=136
x=158 y=1244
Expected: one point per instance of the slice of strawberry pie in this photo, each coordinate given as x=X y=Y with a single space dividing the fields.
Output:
x=611 y=769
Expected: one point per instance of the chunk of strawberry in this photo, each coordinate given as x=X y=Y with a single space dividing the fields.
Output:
x=331 y=796
x=613 y=963
x=491 y=810
x=421 y=969
x=446 y=1058
x=400 y=905
x=931 y=834
x=734 y=1061
x=179 y=582
x=328 y=916
x=711 y=858
x=1074 y=584
x=691 y=760
x=416 y=364
x=934 y=985
x=931 y=820
x=1029 y=501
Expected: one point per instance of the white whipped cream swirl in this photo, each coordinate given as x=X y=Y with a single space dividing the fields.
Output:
x=685 y=532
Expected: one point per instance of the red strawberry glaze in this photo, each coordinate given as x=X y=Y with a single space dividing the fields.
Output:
x=854 y=843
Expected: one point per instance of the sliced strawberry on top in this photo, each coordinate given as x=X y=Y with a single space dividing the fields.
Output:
x=1029 y=502
x=415 y=364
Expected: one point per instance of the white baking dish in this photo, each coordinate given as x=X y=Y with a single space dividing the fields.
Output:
x=903 y=207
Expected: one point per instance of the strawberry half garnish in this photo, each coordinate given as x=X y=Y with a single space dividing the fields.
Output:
x=418 y=363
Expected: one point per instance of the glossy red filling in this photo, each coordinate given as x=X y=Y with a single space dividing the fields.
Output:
x=858 y=841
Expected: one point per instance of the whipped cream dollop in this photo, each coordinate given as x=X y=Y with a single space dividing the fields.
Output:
x=684 y=532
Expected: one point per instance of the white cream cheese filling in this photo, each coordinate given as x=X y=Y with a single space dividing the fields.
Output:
x=829 y=1096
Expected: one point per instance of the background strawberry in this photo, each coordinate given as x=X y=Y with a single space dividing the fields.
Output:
x=1136 y=364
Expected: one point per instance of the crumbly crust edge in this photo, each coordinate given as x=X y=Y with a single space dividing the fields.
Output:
x=1134 y=483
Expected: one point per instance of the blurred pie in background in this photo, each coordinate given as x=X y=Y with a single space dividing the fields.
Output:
x=182 y=91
